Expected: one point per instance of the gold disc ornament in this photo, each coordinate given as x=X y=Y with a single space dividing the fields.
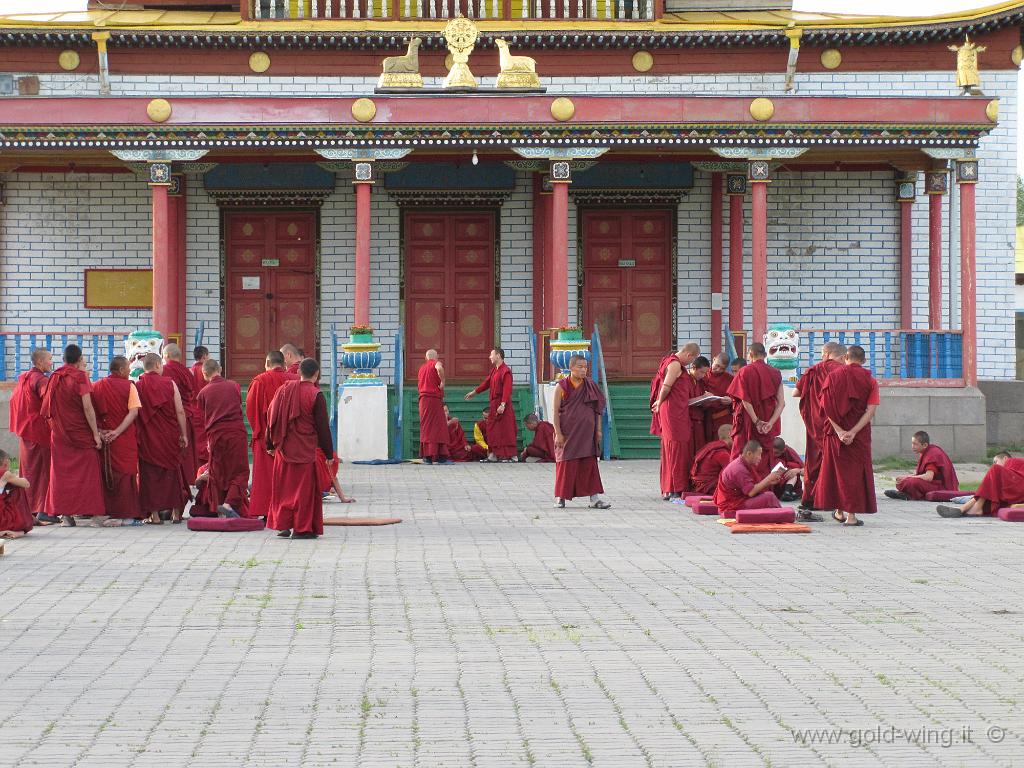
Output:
x=158 y=110
x=562 y=109
x=643 y=61
x=992 y=110
x=364 y=110
x=259 y=62
x=69 y=60
x=762 y=109
x=831 y=58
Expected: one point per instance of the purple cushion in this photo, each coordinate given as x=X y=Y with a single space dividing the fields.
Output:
x=783 y=515
x=692 y=500
x=225 y=524
x=944 y=495
x=1012 y=514
x=706 y=508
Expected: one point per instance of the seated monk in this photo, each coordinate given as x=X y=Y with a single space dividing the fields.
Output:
x=327 y=476
x=15 y=517
x=458 y=449
x=934 y=472
x=790 y=490
x=1002 y=486
x=740 y=487
x=710 y=461
x=480 y=434
x=543 y=446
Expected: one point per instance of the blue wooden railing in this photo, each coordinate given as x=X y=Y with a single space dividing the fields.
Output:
x=896 y=354
x=333 y=405
x=538 y=401
x=16 y=350
x=601 y=377
x=396 y=450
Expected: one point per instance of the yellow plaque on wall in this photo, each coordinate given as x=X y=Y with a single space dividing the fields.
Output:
x=118 y=288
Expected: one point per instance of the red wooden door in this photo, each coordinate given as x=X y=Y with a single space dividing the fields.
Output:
x=270 y=287
x=627 y=287
x=449 y=291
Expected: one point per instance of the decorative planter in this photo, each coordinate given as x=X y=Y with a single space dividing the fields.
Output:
x=570 y=334
x=360 y=338
x=363 y=358
x=563 y=350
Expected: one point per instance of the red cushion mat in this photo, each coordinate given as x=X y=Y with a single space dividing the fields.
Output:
x=776 y=515
x=693 y=501
x=944 y=495
x=225 y=524
x=1012 y=514
x=770 y=528
x=706 y=508
x=361 y=520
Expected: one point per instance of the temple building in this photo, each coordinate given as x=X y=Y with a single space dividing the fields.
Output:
x=247 y=173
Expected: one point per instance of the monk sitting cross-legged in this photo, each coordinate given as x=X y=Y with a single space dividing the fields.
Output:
x=935 y=471
x=1002 y=486
x=221 y=401
x=163 y=443
x=257 y=408
x=15 y=517
x=743 y=486
x=790 y=459
x=543 y=446
x=710 y=461
x=118 y=406
x=458 y=449
x=577 y=410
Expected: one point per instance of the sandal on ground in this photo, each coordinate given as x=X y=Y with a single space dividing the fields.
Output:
x=600 y=504
x=947 y=510
x=559 y=503
x=68 y=522
x=854 y=525
x=839 y=517
x=151 y=521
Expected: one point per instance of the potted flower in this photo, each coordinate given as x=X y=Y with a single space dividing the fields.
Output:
x=570 y=333
x=360 y=334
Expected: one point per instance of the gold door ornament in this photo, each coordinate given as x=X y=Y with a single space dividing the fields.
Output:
x=967 y=76
x=461 y=35
x=402 y=71
x=516 y=71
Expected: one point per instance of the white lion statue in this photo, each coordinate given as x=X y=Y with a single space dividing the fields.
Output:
x=783 y=345
x=137 y=346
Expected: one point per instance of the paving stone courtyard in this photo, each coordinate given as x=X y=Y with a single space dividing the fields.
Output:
x=489 y=629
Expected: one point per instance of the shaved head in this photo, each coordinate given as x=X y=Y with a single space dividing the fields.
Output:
x=210 y=368
x=291 y=354
x=838 y=351
x=274 y=360
x=725 y=432
x=119 y=364
x=827 y=349
x=757 y=351
x=855 y=354
x=172 y=351
x=431 y=354
x=151 y=362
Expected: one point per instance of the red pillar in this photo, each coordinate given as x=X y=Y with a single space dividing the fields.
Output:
x=716 y=263
x=560 y=180
x=363 y=185
x=177 y=265
x=737 y=189
x=906 y=264
x=165 y=290
x=759 y=173
x=936 y=188
x=967 y=177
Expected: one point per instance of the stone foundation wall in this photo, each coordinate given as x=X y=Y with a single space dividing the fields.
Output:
x=953 y=418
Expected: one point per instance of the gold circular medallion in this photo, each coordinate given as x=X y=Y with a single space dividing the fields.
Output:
x=448 y=61
x=562 y=109
x=643 y=61
x=247 y=326
x=293 y=229
x=69 y=60
x=158 y=110
x=259 y=62
x=992 y=110
x=247 y=230
x=461 y=33
x=1017 y=54
x=364 y=110
x=762 y=109
x=831 y=58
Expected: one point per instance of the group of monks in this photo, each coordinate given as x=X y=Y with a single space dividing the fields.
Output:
x=119 y=452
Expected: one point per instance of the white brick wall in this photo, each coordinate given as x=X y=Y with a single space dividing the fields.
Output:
x=517 y=276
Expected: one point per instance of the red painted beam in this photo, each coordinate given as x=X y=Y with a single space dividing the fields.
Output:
x=716 y=263
x=968 y=298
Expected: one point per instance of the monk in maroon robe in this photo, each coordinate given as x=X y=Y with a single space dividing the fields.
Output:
x=458 y=448
x=934 y=471
x=789 y=490
x=292 y=358
x=700 y=407
x=163 y=441
x=717 y=382
x=1002 y=486
x=577 y=409
x=710 y=461
x=76 y=482
x=201 y=355
x=29 y=425
x=15 y=516
x=117 y=405
x=433 y=424
x=670 y=406
x=501 y=419
x=742 y=485
x=808 y=390
x=221 y=401
x=257 y=408
x=542 y=448
x=758 y=400
x=175 y=370
x=298 y=425
x=849 y=397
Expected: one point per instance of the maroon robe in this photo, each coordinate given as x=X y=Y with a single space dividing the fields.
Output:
x=110 y=398
x=791 y=460
x=847 y=480
x=697 y=412
x=808 y=389
x=199 y=425
x=502 y=429
x=757 y=383
x=579 y=418
x=186 y=384
x=1002 y=486
x=295 y=430
x=221 y=401
x=257 y=408
x=708 y=465
x=458 y=448
x=734 y=486
x=543 y=444
x=433 y=424
x=294 y=369
x=28 y=424
x=76 y=483
x=326 y=471
x=163 y=483
x=673 y=423
x=716 y=416
x=201 y=504
x=937 y=460
x=14 y=511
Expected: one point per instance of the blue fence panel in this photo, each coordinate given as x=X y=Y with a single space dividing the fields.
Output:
x=396 y=452
x=334 y=386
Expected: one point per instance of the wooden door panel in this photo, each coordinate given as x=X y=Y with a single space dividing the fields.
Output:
x=243 y=228
x=246 y=255
x=606 y=313
x=293 y=228
x=425 y=321
x=294 y=256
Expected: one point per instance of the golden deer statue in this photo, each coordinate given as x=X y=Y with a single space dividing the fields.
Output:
x=516 y=71
x=402 y=71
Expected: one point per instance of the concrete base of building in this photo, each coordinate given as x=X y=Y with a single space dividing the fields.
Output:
x=1004 y=406
x=953 y=418
x=8 y=442
x=363 y=423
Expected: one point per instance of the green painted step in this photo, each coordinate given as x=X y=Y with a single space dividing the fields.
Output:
x=631 y=421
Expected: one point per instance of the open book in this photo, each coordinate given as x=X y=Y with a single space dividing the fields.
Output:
x=703 y=399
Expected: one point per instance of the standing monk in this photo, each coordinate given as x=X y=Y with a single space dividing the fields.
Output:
x=29 y=425
x=698 y=375
x=257 y=409
x=163 y=442
x=934 y=472
x=76 y=484
x=117 y=405
x=221 y=401
x=577 y=411
x=710 y=461
x=298 y=425
x=501 y=416
x=543 y=446
x=849 y=398
x=292 y=358
x=670 y=406
x=717 y=383
x=181 y=376
x=433 y=424
x=808 y=389
x=1002 y=486
x=758 y=400
x=201 y=355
